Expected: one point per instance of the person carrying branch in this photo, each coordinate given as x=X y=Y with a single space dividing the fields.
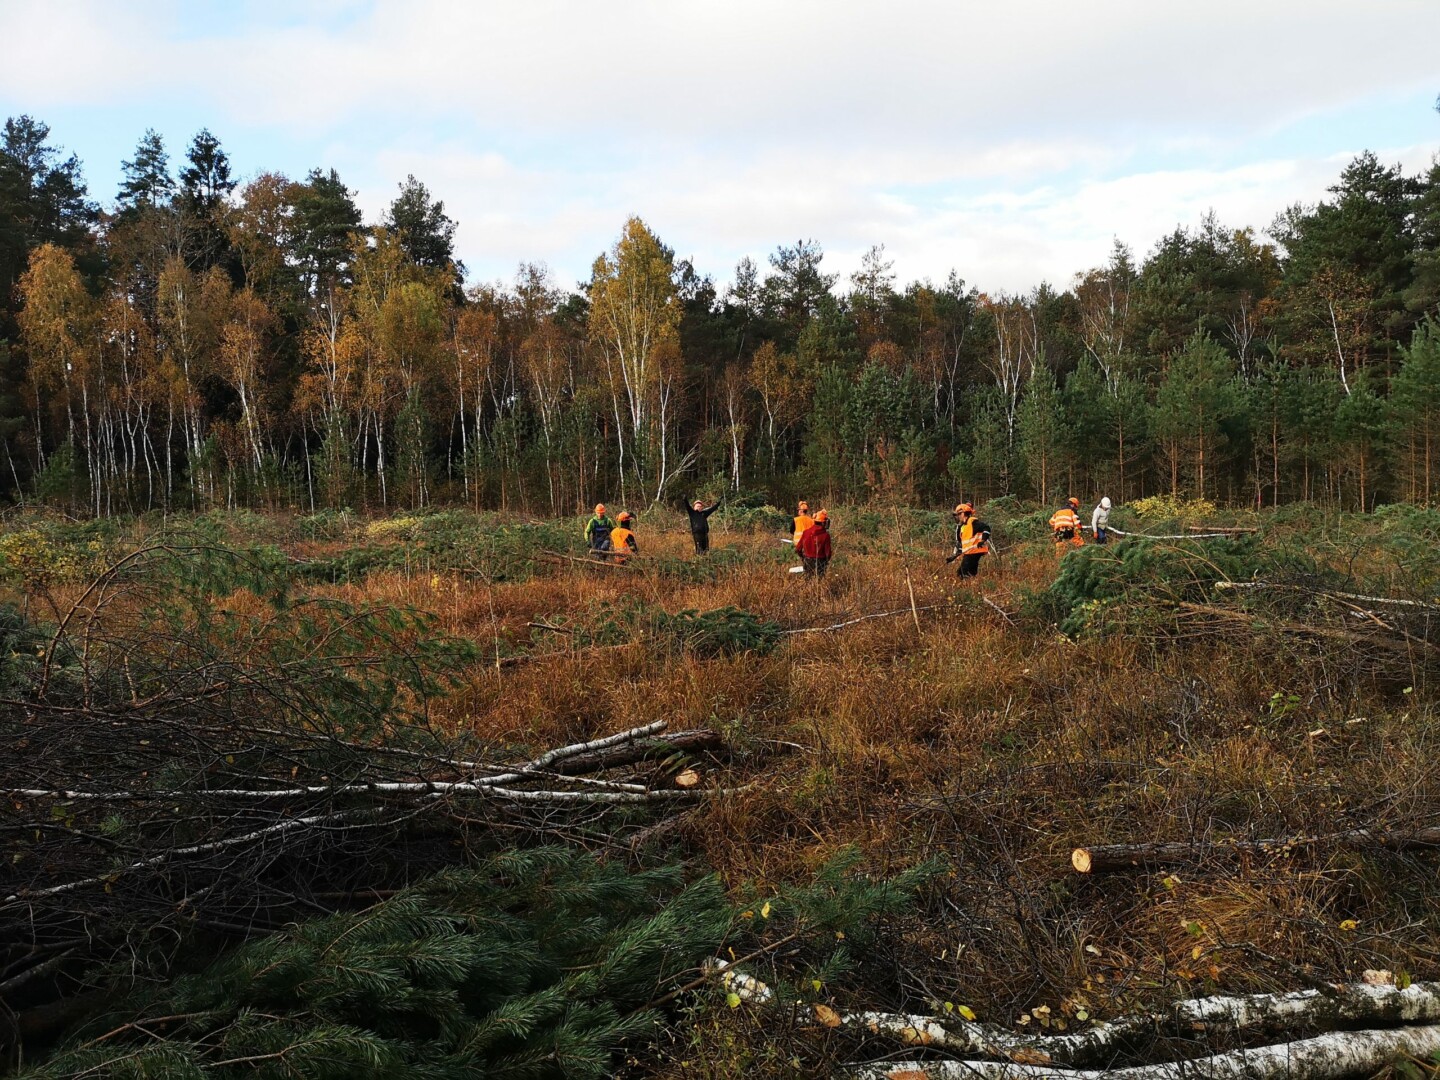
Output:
x=597 y=533
x=622 y=538
x=972 y=541
x=814 y=546
x=1065 y=524
x=700 y=524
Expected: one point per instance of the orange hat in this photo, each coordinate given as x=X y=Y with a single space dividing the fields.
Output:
x=1074 y=502
x=964 y=508
x=822 y=516
x=600 y=508
x=624 y=517
x=804 y=506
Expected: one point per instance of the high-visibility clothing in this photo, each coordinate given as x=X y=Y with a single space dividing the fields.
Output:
x=622 y=542
x=802 y=522
x=971 y=537
x=1065 y=521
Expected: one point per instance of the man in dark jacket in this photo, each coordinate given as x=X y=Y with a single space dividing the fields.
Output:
x=815 y=547
x=700 y=524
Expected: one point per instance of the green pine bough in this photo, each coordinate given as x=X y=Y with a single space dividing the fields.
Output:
x=530 y=965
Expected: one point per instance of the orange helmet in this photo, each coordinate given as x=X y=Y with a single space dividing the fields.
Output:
x=822 y=516
x=1074 y=502
x=804 y=506
x=964 y=508
x=624 y=517
x=600 y=509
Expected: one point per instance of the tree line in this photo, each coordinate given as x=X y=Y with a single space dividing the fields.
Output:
x=203 y=342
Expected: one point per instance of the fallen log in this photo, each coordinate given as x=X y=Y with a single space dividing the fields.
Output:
x=1303 y=1010
x=1332 y=1056
x=1102 y=858
x=1212 y=534
x=1317 y=1010
x=656 y=746
x=1219 y=529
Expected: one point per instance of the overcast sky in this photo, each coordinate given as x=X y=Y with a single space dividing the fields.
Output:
x=1009 y=141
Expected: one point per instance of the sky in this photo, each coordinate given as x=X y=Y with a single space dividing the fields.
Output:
x=1011 y=142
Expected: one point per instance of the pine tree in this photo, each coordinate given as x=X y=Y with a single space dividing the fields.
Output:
x=325 y=217
x=426 y=232
x=205 y=187
x=1041 y=427
x=1197 y=401
x=1415 y=397
x=147 y=180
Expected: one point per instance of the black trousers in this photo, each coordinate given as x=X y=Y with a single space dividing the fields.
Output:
x=702 y=540
x=815 y=567
x=970 y=564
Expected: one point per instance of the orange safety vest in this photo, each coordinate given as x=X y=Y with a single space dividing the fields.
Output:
x=1063 y=519
x=621 y=542
x=802 y=522
x=1066 y=526
x=972 y=542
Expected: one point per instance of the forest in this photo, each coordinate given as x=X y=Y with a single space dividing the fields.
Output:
x=202 y=342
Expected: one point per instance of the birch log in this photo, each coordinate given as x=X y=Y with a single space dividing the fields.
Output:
x=1352 y=1004
x=1332 y=1056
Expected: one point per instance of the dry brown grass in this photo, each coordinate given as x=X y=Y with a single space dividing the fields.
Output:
x=998 y=745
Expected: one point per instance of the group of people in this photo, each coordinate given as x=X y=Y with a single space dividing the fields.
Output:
x=615 y=540
x=1069 y=531
x=972 y=536
x=811 y=537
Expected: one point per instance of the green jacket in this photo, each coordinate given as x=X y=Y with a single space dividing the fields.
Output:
x=598 y=529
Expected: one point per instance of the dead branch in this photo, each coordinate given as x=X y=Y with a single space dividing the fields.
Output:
x=626 y=565
x=862 y=618
x=1312 y=591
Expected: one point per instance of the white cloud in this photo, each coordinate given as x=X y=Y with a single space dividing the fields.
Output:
x=1011 y=141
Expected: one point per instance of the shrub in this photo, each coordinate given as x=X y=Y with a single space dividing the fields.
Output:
x=1172 y=508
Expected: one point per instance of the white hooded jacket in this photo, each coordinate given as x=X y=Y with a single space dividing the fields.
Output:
x=1101 y=517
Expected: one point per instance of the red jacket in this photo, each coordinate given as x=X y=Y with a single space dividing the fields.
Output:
x=815 y=542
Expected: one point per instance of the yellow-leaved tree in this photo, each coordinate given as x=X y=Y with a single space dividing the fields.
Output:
x=635 y=323
x=59 y=320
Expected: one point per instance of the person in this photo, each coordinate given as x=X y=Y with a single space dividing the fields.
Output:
x=622 y=537
x=1065 y=524
x=802 y=521
x=1100 y=520
x=972 y=541
x=597 y=533
x=700 y=524
x=814 y=546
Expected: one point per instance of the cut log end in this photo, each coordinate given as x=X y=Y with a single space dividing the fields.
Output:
x=1080 y=859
